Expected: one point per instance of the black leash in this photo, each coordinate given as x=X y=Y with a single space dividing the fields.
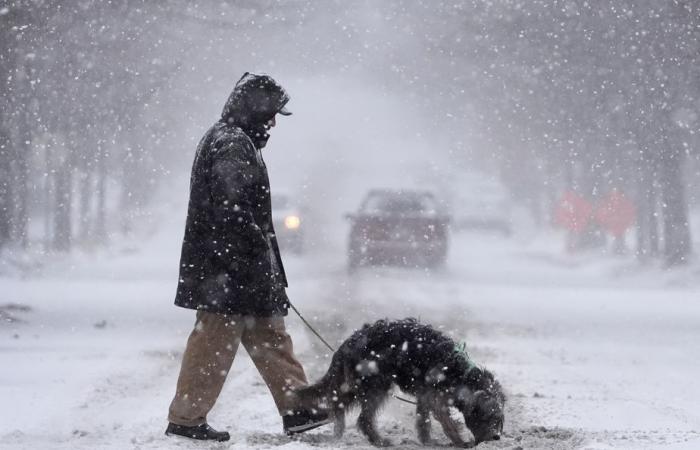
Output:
x=308 y=325
x=330 y=347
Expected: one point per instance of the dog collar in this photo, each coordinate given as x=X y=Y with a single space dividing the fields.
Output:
x=461 y=349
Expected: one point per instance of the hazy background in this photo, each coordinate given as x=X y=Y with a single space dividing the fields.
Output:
x=103 y=104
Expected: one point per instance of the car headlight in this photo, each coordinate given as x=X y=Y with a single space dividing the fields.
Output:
x=292 y=222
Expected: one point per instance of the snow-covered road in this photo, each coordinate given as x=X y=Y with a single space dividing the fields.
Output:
x=591 y=354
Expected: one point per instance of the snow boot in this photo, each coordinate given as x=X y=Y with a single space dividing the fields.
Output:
x=303 y=420
x=201 y=432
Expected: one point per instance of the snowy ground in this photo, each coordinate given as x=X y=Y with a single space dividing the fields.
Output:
x=593 y=354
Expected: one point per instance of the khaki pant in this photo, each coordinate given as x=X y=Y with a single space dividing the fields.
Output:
x=210 y=351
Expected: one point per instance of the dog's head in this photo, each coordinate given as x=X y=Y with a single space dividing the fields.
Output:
x=479 y=397
x=481 y=401
x=483 y=415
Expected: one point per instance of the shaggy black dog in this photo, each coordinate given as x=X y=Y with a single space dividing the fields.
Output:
x=419 y=360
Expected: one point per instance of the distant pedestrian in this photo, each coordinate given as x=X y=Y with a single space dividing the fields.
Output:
x=616 y=213
x=231 y=271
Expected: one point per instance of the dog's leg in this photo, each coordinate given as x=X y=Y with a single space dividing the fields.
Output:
x=449 y=426
x=339 y=422
x=423 y=418
x=370 y=403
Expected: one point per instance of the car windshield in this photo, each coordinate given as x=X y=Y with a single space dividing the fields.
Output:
x=399 y=204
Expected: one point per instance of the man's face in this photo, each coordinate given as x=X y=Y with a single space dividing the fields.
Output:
x=270 y=123
x=261 y=136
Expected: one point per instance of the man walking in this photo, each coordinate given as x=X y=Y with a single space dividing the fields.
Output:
x=231 y=271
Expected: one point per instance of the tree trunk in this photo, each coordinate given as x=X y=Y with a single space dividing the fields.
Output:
x=128 y=188
x=101 y=219
x=647 y=222
x=86 y=192
x=6 y=209
x=677 y=244
x=653 y=218
x=62 y=217
x=47 y=198
x=20 y=231
x=24 y=148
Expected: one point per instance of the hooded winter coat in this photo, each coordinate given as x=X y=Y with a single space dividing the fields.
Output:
x=230 y=262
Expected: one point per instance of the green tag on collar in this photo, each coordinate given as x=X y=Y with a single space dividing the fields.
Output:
x=461 y=349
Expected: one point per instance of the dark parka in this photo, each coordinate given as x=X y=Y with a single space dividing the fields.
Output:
x=230 y=262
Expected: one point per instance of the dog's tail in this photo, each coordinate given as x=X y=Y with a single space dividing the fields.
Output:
x=327 y=386
x=312 y=394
